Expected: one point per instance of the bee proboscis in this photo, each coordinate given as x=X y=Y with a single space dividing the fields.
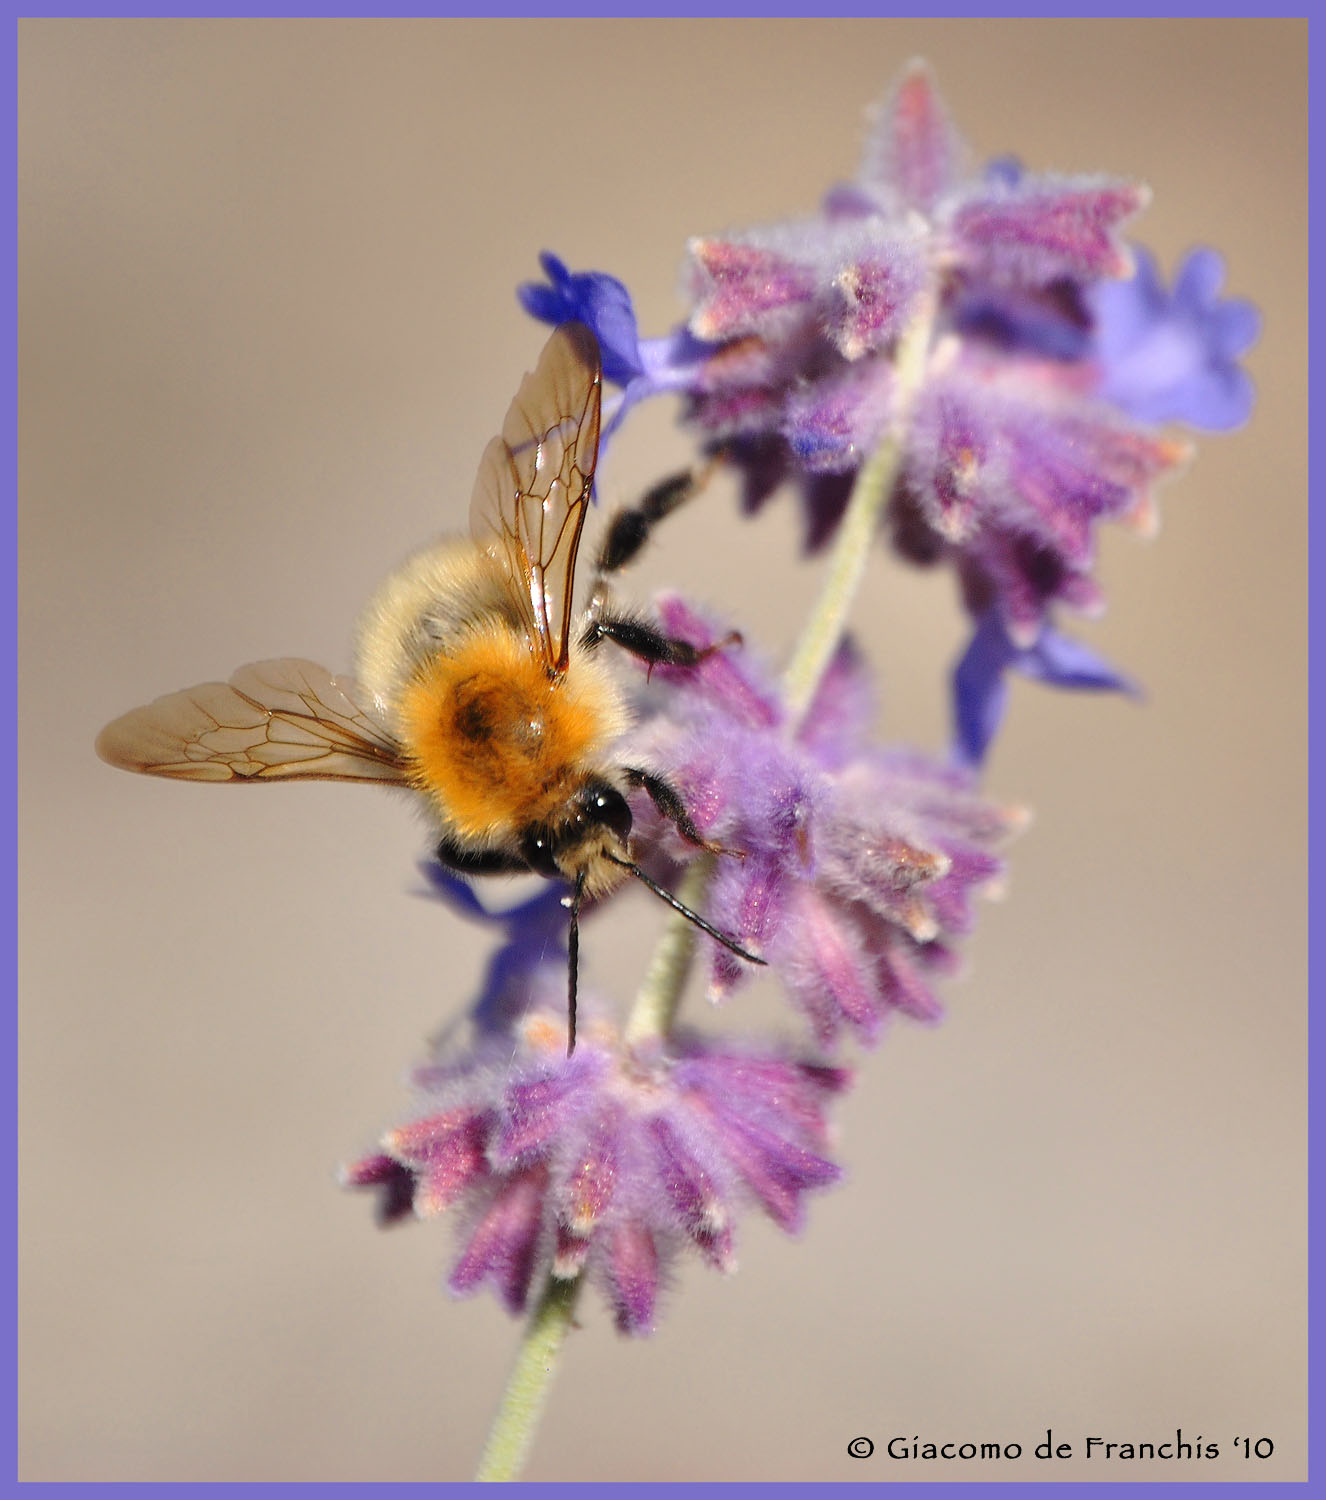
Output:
x=472 y=684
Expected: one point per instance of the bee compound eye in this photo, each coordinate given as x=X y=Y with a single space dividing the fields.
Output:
x=536 y=849
x=608 y=807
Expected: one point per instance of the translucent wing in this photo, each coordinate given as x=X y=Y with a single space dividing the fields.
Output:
x=271 y=721
x=529 y=499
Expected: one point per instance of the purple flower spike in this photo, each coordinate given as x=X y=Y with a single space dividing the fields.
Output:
x=832 y=425
x=694 y=1195
x=395 y=1185
x=1038 y=373
x=1172 y=357
x=1008 y=475
x=445 y=1152
x=611 y=1162
x=857 y=864
x=872 y=296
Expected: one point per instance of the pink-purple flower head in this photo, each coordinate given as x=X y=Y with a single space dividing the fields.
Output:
x=610 y=1162
x=857 y=867
x=1051 y=353
x=1047 y=349
x=1009 y=459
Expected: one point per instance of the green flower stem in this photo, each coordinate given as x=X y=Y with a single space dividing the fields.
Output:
x=851 y=549
x=819 y=640
x=518 y=1416
x=656 y=1005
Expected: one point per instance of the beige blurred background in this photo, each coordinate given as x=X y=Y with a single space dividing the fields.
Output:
x=267 y=323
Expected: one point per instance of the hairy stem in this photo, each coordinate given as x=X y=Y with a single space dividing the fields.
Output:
x=851 y=549
x=526 y=1391
x=819 y=640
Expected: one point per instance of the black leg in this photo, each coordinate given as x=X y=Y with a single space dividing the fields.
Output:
x=649 y=643
x=629 y=529
x=467 y=861
x=666 y=798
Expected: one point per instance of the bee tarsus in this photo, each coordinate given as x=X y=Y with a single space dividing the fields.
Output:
x=667 y=800
x=646 y=641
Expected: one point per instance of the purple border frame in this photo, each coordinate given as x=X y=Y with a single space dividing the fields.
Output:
x=595 y=9
x=327 y=9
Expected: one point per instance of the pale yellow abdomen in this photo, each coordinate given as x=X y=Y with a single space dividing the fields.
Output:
x=435 y=601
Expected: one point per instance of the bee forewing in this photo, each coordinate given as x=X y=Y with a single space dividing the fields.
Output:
x=532 y=488
x=557 y=404
x=272 y=720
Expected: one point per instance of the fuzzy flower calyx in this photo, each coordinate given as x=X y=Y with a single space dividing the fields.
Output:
x=858 y=866
x=609 y=1162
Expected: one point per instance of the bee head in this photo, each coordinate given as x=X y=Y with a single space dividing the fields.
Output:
x=594 y=818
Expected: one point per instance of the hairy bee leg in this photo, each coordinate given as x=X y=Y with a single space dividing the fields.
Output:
x=649 y=643
x=667 y=800
x=629 y=529
x=478 y=862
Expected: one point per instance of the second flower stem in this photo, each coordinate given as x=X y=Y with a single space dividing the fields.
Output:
x=660 y=993
x=865 y=505
x=819 y=640
x=517 y=1418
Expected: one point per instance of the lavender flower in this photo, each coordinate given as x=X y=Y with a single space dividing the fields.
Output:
x=980 y=691
x=858 y=866
x=610 y=1162
x=1172 y=357
x=599 y=301
x=642 y=367
x=533 y=930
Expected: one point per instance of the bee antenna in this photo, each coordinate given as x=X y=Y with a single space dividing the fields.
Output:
x=680 y=906
x=573 y=964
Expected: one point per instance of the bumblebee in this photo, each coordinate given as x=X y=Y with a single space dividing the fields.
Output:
x=476 y=684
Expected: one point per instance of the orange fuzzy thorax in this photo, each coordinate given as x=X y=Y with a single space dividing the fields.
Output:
x=494 y=742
